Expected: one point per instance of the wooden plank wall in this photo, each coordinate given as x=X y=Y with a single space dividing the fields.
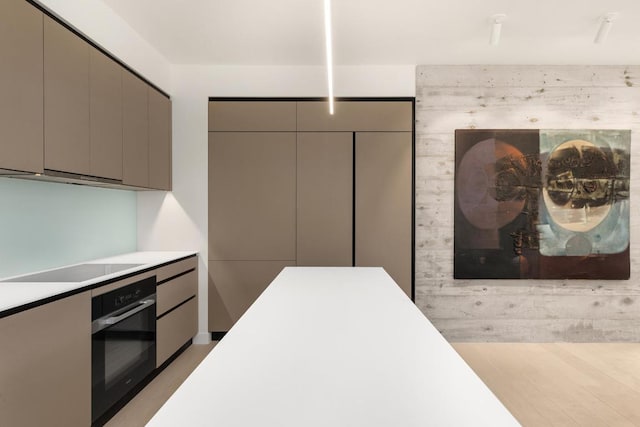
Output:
x=518 y=97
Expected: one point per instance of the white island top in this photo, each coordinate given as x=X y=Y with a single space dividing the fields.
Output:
x=333 y=347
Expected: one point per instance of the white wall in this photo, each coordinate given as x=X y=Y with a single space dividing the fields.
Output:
x=179 y=220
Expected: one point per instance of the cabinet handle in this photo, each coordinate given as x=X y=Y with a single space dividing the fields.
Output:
x=100 y=324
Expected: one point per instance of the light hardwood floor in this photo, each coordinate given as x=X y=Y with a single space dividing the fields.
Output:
x=559 y=384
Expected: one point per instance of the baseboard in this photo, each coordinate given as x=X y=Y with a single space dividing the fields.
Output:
x=202 y=338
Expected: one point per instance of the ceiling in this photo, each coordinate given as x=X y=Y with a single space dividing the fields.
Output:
x=384 y=32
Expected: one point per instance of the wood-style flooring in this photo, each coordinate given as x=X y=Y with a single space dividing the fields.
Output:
x=551 y=384
x=561 y=384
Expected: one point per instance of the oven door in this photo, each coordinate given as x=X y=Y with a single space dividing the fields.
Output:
x=123 y=353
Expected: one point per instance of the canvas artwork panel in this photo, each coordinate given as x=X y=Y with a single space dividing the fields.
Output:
x=541 y=204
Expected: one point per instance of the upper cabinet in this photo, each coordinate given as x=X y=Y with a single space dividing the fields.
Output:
x=106 y=116
x=159 y=140
x=135 y=150
x=248 y=116
x=146 y=151
x=66 y=100
x=71 y=112
x=357 y=116
x=21 y=86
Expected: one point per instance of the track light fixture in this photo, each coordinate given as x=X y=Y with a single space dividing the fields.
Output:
x=605 y=26
x=496 y=28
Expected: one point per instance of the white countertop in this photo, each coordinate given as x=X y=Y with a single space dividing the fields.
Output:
x=16 y=294
x=333 y=347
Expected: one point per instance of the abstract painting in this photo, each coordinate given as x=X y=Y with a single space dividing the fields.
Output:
x=541 y=204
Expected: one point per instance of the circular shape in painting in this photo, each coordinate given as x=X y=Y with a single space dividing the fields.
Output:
x=577 y=185
x=578 y=245
x=489 y=186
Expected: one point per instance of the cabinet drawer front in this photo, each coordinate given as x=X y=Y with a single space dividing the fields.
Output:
x=175 y=291
x=121 y=283
x=163 y=273
x=175 y=329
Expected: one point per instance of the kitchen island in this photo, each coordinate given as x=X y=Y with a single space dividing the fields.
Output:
x=333 y=346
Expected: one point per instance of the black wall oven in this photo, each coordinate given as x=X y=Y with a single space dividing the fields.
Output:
x=123 y=343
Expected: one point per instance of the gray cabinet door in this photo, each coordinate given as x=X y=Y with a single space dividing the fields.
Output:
x=250 y=116
x=21 y=86
x=159 y=140
x=135 y=131
x=324 y=198
x=66 y=100
x=252 y=195
x=106 y=116
x=45 y=364
x=176 y=328
x=235 y=285
x=383 y=203
x=355 y=116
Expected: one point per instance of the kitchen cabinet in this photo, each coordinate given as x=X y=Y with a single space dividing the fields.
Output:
x=68 y=109
x=177 y=307
x=176 y=328
x=66 y=100
x=235 y=285
x=336 y=192
x=45 y=364
x=250 y=116
x=135 y=131
x=159 y=140
x=324 y=214
x=146 y=151
x=21 y=85
x=383 y=203
x=252 y=195
x=355 y=116
x=105 y=110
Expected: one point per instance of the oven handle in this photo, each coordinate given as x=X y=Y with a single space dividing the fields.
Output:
x=104 y=322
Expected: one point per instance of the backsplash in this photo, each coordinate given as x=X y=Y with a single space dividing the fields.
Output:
x=45 y=225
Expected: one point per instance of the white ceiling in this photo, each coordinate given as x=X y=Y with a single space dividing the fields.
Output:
x=384 y=32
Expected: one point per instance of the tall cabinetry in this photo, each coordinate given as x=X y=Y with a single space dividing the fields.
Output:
x=291 y=185
x=252 y=196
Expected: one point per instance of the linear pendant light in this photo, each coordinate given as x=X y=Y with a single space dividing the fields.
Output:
x=329 y=50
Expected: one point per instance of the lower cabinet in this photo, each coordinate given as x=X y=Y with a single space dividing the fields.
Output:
x=175 y=328
x=177 y=307
x=45 y=351
x=45 y=364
